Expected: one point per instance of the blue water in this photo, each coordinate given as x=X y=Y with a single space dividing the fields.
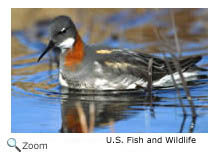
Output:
x=36 y=108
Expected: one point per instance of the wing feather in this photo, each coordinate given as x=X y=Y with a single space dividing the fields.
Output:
x=132 y=63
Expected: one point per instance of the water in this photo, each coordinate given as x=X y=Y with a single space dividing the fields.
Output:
x=39 y=104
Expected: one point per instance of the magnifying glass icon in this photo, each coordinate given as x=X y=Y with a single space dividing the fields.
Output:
x=12 y=143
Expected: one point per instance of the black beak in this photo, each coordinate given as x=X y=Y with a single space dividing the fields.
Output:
x=49 y=47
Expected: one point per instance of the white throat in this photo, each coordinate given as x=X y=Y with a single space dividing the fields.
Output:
x=67 y=43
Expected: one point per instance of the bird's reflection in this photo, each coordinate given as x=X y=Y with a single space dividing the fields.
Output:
x=82 y=110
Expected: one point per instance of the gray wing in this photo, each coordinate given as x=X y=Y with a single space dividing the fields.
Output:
x=130 y=64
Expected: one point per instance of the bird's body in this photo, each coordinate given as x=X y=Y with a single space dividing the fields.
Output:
x=104 y=68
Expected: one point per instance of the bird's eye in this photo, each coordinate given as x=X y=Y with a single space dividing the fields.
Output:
x=62 y=31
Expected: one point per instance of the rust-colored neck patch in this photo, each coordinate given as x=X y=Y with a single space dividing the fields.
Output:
x=75 y=55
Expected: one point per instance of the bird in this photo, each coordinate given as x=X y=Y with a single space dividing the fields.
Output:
x=97 y=67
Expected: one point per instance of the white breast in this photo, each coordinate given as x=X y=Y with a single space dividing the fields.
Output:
x=62 y=81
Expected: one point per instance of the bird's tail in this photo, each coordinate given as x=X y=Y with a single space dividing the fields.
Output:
x=186 y=63
x=188 y=68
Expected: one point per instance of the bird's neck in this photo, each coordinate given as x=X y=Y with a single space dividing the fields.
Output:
x=74 y=56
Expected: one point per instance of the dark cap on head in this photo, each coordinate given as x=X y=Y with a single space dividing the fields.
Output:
x=61 y=28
